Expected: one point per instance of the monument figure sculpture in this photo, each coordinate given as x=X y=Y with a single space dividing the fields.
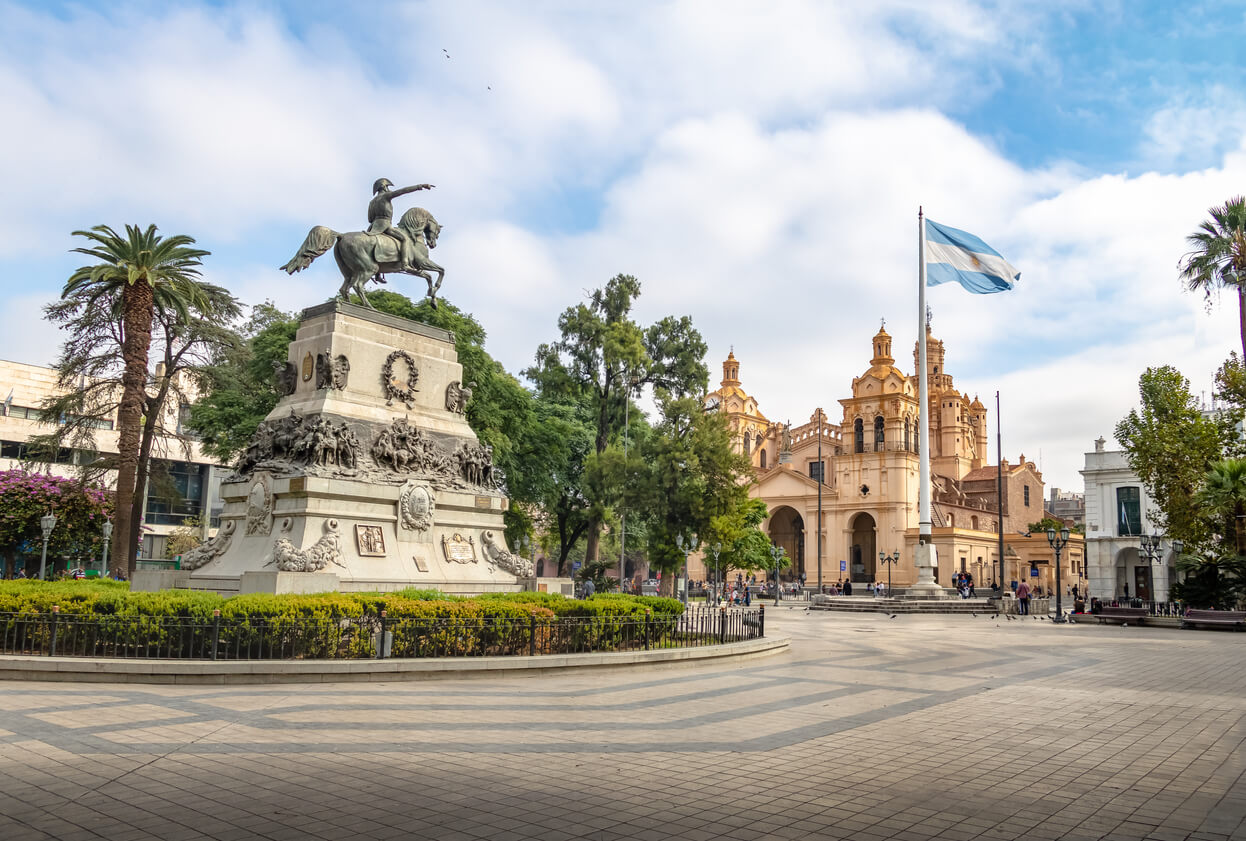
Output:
x=383 y=247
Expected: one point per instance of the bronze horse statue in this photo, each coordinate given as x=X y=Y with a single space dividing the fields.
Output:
x=364 y=256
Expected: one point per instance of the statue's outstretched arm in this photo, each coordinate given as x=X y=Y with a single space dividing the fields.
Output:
x=393 y=194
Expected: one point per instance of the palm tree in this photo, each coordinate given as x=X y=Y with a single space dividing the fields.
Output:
x=1223 y=497
x=1217 y=259
x=151 y=273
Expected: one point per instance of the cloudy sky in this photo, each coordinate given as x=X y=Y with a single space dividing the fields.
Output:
x=757 y=165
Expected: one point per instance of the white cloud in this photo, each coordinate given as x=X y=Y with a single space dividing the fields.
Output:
x=758 y=168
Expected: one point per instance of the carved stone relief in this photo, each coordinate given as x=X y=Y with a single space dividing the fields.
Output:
x=309 y=366
x=369 y=541
x=496 y=554
x=211 y=550
x=287 y=377
x=315 y=440
x=459 y=549
x=475 y=463
x=457 y=396
x=331 y=371
x=327 y=550
x=405 y=448
x=260 y=506
x=416 y=506
x=399 y=380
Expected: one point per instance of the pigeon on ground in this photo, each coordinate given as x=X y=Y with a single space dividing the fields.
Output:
x=892 y=616
x=974 y=615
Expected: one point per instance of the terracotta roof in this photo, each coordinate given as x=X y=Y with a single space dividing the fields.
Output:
x=981 y=473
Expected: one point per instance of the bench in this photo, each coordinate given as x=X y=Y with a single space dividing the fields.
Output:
x=1123 y=614
x=1233 y=618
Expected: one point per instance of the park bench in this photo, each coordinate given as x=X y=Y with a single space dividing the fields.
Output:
x=1121 y=614
x=1233 y=618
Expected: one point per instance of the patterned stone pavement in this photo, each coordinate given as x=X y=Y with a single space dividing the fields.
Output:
x=868 y=728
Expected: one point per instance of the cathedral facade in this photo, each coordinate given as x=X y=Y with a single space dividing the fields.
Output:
x=865 y=464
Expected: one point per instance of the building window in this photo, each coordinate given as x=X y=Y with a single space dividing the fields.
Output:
x=878 y=434
x=858 y=434
x=175 y=492
x=1128 y=512
x=817 y=469
x=763 y=459
x=951 y=520
x=746 y=444
x=1027 y=495
x=908 y=441
x=973 y=523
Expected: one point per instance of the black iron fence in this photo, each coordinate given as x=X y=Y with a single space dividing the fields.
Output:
x=249 y=638
x=1175 y=609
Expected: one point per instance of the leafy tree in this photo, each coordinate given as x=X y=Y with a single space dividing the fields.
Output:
x=555 y=452
x=604 y=358
x=682 y=476
x=185 y=537
x=138 y=276
x=1052 y=523
x=1217 y=259
x=744 y=545
x=1216 y=572
x=1170 y=445
x=240 y=385
x=80 y=509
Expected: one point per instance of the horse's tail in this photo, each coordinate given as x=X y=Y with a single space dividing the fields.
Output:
x=319 y=240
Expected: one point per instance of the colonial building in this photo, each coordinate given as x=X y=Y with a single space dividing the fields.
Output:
x=1118 y=512
x=193 y=489
x=866 y=464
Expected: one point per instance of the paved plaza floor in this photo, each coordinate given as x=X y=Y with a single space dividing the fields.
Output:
x=916 y=727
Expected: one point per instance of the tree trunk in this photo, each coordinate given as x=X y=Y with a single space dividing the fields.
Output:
x=137 y=308
x=1241 y=318
x=154 y=406
x=592 y=545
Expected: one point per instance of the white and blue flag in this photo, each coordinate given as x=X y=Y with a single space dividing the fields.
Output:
x=954 y=255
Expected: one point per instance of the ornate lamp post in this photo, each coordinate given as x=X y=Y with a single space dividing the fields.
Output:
x=890 y=560
x=715 y=550
x=776 y=554
x=47 y=522
x=107 y=529
x=1058 y=543
x=686 y=548
x=1152 y=547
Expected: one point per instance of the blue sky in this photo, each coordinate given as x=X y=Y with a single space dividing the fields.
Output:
x=758 y=167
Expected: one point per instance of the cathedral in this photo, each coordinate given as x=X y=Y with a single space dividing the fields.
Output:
x=866 y=467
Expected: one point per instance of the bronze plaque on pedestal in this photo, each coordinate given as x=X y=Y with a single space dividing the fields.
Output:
x=459 y=549
x=370 y=541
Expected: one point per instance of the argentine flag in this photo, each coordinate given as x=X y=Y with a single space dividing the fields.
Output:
x=952 y=254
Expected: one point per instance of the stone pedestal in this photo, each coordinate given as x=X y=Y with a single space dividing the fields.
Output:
x=926 y=587
x=366 y=472
x=154 y=580
x=288 y=582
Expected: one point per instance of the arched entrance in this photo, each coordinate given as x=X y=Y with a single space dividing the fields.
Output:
x=863 y=549
x=1133 y=575
x=787 y=529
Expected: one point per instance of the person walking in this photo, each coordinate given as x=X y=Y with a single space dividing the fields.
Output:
x=1023 y=598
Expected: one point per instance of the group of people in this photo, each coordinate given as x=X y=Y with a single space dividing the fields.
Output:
x=963 y=582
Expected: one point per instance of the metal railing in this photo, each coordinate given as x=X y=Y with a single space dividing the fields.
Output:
x=1175 y=609
x=251 y=638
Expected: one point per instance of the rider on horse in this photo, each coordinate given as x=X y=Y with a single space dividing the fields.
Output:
x=381 y=213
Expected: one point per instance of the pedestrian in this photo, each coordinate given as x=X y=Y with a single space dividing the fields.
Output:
x=1023 y=598
x=848 y=588
x=748 y=596
x=589 y=588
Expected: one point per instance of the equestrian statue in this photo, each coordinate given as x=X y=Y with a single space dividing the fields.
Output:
x=383 y=247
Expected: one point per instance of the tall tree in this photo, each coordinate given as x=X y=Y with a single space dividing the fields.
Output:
x=142 y=272
x=239 y=386
x=89 y=372
x=1215 y=572
x=1217 y=259
x=605 y=357
x=1170 y=444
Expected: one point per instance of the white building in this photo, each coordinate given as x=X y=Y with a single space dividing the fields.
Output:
x=194 y=477
x=1118 y=512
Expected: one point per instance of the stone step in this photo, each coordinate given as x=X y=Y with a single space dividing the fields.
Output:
x=871 y=605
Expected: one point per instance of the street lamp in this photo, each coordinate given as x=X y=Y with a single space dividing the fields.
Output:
x=47 y=522
x=1152 y=547
x=890 y=560
x=776 y=554
x=715 y=550
x=686 y=548
x=107 y=529
x=1058 y=543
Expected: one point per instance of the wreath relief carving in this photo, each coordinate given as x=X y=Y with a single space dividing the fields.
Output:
x=399 y=380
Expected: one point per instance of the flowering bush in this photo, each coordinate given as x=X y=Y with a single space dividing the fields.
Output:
x=80 y=511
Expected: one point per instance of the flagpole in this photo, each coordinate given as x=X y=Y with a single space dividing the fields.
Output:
x=926 y=582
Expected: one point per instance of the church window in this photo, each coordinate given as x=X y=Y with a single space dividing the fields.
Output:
x=747 y=442
x=816 y=470
x=763 y=459
x=878 y=434
x=908 y=441
x=1026 y=489
x=951 y=520
x=973 y=523
x=858 y=432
